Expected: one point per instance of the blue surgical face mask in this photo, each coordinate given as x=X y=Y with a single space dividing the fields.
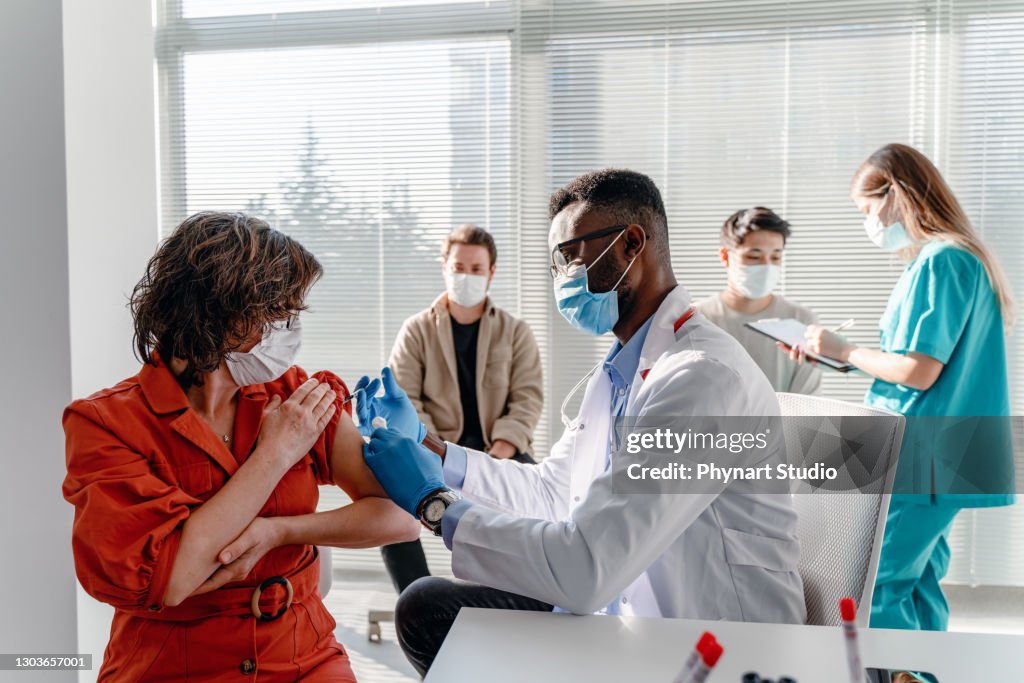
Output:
x=886 y=237
x=594 y=313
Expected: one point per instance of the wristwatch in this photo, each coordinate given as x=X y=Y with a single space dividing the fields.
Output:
x=432 y=508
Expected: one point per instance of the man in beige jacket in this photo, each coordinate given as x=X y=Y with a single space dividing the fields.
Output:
x=471 y=369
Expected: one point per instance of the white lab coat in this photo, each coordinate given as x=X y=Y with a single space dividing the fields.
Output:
x=558 y=533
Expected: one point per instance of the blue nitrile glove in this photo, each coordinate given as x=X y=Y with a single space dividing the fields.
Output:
x=407 y=471
x=394 y=406
x=364 y=391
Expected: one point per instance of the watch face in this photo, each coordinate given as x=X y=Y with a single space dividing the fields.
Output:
x=434 y=511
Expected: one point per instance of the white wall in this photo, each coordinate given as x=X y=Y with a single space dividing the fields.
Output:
x=36 y=571
x=112 y=204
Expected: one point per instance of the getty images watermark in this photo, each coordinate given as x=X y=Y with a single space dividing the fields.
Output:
x=733 y=443
x=944 y=456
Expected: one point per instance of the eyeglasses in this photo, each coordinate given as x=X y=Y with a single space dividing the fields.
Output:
x=560 y=262
x=287 y=324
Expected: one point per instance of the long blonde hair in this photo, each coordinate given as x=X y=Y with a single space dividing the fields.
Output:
x=928 y=210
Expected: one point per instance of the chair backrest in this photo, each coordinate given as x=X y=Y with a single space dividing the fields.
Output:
x=841 y=533
x=326 y=570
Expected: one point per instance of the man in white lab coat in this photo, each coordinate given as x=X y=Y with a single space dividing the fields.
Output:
x=560 y=535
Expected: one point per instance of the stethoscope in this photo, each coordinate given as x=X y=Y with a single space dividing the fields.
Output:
x=573 y=424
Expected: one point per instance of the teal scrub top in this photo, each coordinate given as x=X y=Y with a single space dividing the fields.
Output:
x=944 y=306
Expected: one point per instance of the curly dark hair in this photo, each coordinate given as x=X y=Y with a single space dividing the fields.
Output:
x=214 y=283
x=631 y=196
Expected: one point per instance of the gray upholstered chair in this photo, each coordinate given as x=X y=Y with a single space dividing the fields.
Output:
x=841 y=533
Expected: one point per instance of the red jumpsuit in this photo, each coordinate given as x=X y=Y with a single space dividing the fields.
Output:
x=139 y=460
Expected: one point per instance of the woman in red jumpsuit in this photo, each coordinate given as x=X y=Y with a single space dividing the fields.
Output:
x=219 y=439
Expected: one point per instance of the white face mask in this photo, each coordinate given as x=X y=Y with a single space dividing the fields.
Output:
x=465 y=289
x=270 y=358
x=756 y=281
x=886 y=237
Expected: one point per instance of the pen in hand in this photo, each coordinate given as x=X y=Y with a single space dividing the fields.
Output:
x=797 y=351
x=845 y=325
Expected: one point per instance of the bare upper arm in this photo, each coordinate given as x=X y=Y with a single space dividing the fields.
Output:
x=925 y=372
x=348 y=469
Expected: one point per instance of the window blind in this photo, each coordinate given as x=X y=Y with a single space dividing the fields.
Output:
x=367 y=129
x=730 y=105
x=364 y=130
x=983 y=150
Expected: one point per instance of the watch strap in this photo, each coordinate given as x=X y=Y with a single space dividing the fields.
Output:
x=447 y=496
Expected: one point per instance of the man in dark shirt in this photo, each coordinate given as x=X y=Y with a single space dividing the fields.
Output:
x=471 y=369
x=465 y=338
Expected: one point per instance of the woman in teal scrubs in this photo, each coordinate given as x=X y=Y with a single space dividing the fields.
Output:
x=943 y=353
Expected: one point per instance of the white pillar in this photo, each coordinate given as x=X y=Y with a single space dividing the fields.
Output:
x=36 y=574
x=112 y=205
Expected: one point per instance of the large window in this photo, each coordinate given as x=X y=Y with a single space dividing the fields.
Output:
x=368 y=129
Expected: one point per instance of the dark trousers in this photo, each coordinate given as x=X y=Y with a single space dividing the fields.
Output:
x=427 y=609
x=406 y=562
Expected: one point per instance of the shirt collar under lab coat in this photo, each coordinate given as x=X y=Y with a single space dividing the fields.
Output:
x=623 y=361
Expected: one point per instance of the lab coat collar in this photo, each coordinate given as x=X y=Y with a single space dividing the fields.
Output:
x=660 y=338
x=662 y=334
x=623 y=360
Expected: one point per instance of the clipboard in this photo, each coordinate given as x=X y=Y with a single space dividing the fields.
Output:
x=790 y=332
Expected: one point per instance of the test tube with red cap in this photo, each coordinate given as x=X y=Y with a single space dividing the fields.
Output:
x=695 y=656
x=848 y=611
x=710 y=652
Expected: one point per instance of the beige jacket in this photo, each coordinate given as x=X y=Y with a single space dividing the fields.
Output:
x=509 y=382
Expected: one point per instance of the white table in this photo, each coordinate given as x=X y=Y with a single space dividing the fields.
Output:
x=536 y=647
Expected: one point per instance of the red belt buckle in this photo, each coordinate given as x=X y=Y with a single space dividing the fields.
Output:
x=255 y=603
